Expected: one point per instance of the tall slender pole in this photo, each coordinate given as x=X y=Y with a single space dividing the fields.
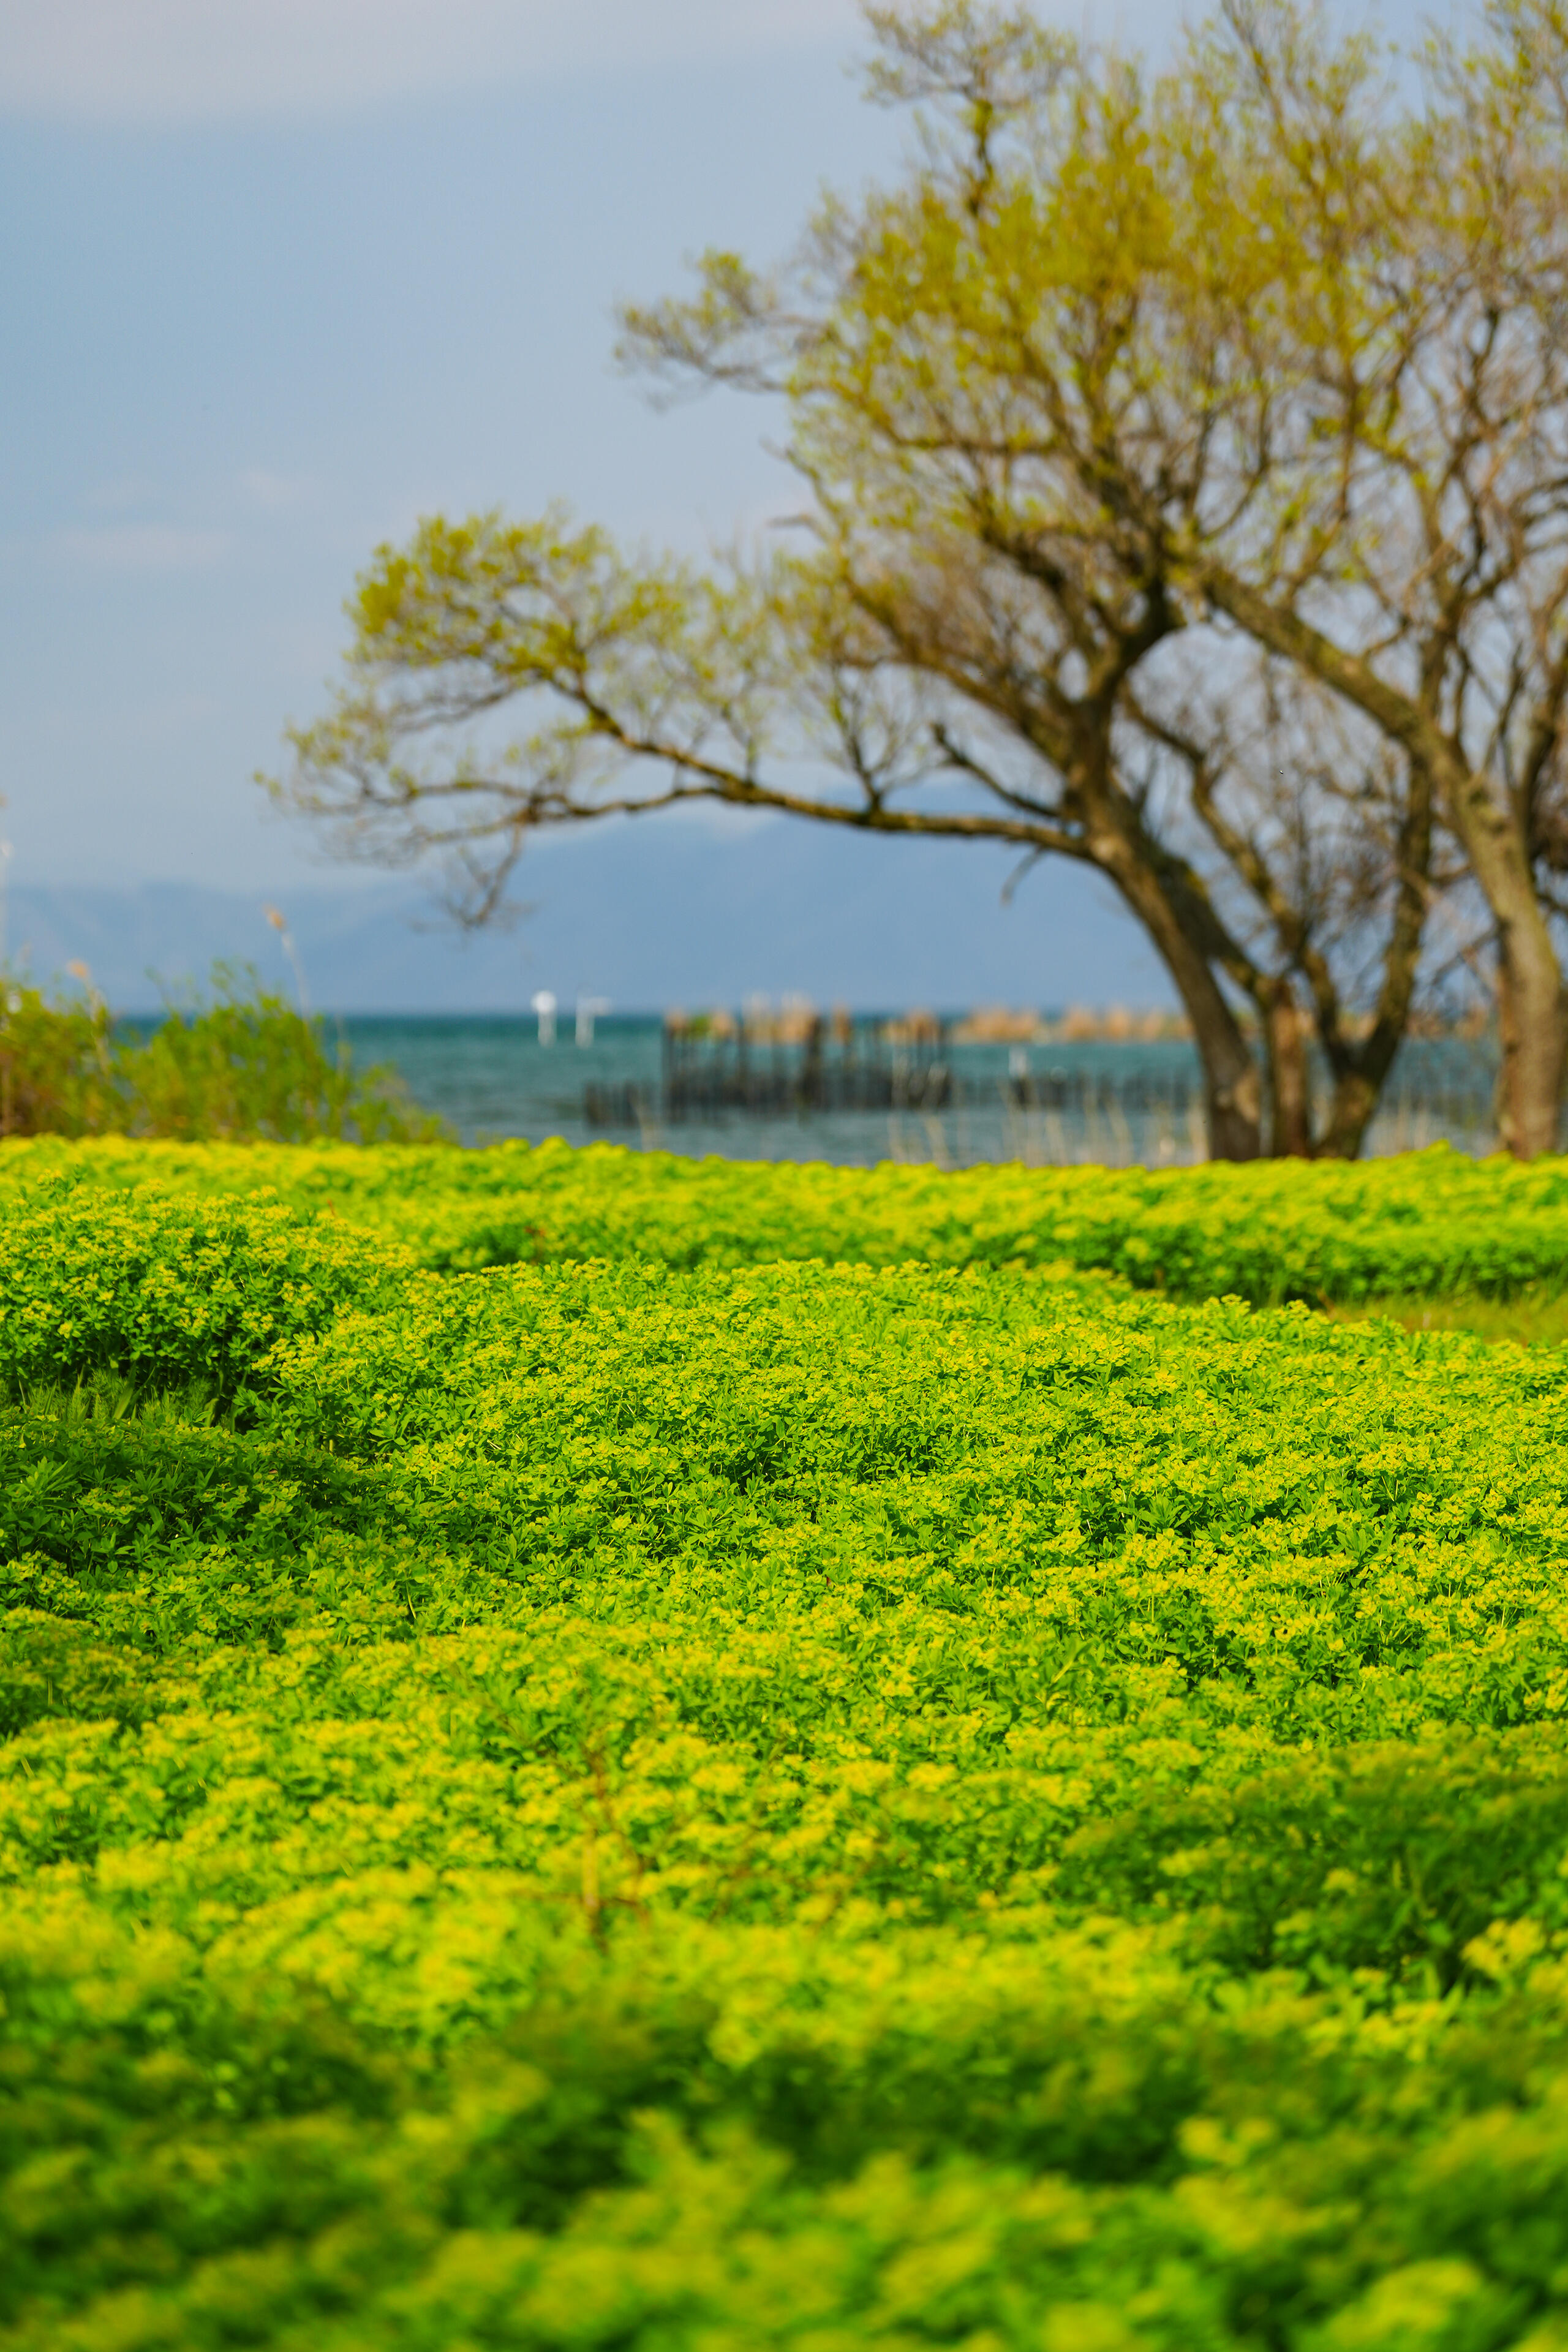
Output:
x=4 y=877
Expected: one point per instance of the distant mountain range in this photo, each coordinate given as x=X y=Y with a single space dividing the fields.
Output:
x=672 y=913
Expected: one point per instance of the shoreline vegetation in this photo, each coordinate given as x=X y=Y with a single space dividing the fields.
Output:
x=601 y=1750
x=229 y=1062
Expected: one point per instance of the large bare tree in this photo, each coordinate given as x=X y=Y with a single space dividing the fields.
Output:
x=1031 y=444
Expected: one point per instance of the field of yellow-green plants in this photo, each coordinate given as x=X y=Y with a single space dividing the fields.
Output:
x=601 y=1752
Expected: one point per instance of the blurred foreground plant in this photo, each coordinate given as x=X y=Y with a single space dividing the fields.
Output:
x=238 y=1063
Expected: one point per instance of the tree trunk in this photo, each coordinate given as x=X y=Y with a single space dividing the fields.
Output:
x=1530 y=1010
x=1350 y=1107
x=1361 y=1071
x=1530 y=1034
x=1233 y=1095
x=1285 y=1033
x=1508 y=1056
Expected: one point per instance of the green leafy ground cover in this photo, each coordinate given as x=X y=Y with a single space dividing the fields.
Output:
x=1434 y=1224
x=658 y=1805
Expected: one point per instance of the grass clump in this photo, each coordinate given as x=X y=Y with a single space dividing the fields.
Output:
x=1534 y=1316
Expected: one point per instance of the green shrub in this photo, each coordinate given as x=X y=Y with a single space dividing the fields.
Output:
x=167 y=1288
x=239 y=1064
x=57 y=1065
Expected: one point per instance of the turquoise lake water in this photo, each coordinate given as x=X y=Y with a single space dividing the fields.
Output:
x=491 y=1076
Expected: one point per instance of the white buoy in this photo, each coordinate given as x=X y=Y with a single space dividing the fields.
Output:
x=544 y=1005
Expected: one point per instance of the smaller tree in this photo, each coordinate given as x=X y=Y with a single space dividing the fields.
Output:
x=1322 y=849
x=1393 y=523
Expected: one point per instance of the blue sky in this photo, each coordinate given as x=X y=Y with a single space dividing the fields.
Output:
x=281 y=275
x=249 y=339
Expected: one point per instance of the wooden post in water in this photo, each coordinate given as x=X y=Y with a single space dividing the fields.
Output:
x=811 y=1088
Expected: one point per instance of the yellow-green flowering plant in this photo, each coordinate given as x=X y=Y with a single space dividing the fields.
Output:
x=824 y=1798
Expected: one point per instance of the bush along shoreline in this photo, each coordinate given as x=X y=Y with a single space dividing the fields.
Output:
x=234 y=1062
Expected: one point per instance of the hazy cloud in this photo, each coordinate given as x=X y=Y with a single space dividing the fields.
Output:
x=273 y=492
x=120 y=497
x=195 y=61
x=140 y=547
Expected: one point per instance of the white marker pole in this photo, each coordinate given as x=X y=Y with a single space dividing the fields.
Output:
x=544 y=1005
x=588 y=1007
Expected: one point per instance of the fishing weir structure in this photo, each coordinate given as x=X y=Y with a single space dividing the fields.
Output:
x=718 y=1067
x=1037 y=1099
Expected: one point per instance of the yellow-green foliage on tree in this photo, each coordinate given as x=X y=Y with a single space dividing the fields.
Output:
x=1180 y=463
